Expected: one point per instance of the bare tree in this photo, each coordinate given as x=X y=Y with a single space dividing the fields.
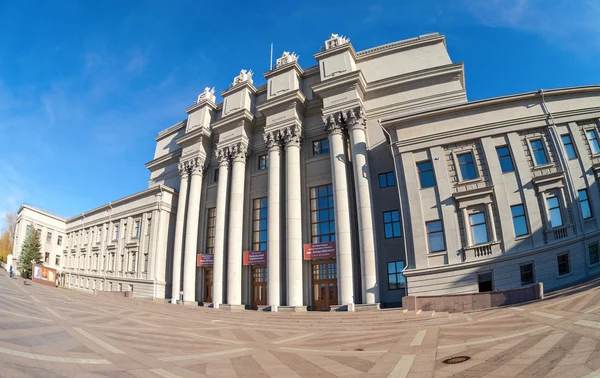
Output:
x=11 y=226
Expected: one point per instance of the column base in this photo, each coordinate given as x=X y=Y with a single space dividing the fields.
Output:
x=367 y=307
x=272 y=308
x=339 y=308
x=230 y=307
x=291 y=308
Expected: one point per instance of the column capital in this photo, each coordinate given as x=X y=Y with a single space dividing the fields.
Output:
x=196 y=166
x=183 y=169
x=292 y=135
x=334 y=123
x=239 y=152
x=273 y=139
x=223 y=156
x=356 y=118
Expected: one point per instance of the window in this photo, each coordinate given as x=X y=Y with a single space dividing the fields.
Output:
x=538 y=152
x=563 y=264
x=519 y=220
x=322 y=215
x=527 y=274
x=554 y=213
x=391 y=224
x=478 y=228
x=47 y=257
x=149 y=226
x=386 y=180
x=216 y=175
x=145 y=263
x=426 y=177
x=435 y=236
x=320 y=147
x=259 y=224
x=466 y=166
x=134 y=266
x=584 y=203
x=263 y=162
x=116 y=232
x=28 y=230
x=122 y=263
x=593 y=252
x=210 y=230
x=485 y=282
x=48 y=237
x=57 y=260
x=592 y=139
x=506 y=163
x=396 y=279
x=568 y=144
x=136 y=229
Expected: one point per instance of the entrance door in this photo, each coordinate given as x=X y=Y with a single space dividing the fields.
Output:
x=259 y=286
x=324 y=282
x=208 y=285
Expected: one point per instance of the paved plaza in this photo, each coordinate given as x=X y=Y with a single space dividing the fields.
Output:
x=49 y=332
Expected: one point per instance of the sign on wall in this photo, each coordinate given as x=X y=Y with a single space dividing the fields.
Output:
x=320 y=251
x=205 y=259
x=43 y=275
x=255 y=257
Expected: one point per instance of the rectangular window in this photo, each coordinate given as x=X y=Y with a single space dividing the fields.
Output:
x=210 y=230
x=506 y=163
x=584 y=203
x=527 y=274
x=145 y=263
x=426 y=176
x=149 y=227
x=59 y=240
x=593 y=252
x=28 y=230
x=48 y=237
x=435 y=236
x=538 y=151
x=387 y=180
x=263 y=162
x=554 y=212
x=47 y=257
x=391 y=224
x=136 y=229
x=485 y=282
x=479 y=228
x=116 y=232
x=396 y=279
x=216 y=175
x=568 y=145
x=592 y=138
x=122 y=263
x=134 y=266
x=320 y=147
x=563 y=264
x=259 y=224
x=519 y=220
x=466 y=166
x=57 y=260
x=322 y=215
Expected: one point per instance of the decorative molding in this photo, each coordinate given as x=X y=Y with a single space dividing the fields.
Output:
x=273 y=139
x=239 y=152
x=343 y=120
x=334 y=123
x=356 y=118
x=292 y=135
x=183 y=169
x=286 y=58
x=243 y=77
x=336 y=40
x=223 y=156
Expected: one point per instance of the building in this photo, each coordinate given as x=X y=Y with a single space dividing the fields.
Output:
x=352 y=183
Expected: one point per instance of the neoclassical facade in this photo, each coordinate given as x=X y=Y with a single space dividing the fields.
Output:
x=352 y=183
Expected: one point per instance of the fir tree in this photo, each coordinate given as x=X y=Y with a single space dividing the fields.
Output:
x=31 y=251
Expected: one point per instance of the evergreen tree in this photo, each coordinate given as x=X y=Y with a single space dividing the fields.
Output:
x=31 y=251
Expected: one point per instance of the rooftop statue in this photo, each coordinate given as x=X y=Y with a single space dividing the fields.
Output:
x=286 y=58
x=243 y=77
x=208 y=94
x=335 y=40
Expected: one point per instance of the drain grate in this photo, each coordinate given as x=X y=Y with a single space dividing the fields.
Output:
x=456 y=360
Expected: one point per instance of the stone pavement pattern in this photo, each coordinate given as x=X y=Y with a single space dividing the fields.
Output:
x=49 y=332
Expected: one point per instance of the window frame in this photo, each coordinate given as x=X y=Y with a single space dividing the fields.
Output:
x=471 y=225
x=512 y=161
x=568 y=135
x=137 y=228
x=258 y=245
x=587 y=202
x=392 y=222
x=457 y=165
x=400 y=284
x=558 y=263
x=480 y=274
x=429 y=171
x=597 y=253
x=211 y=213
x=544 y=148
x=524 y=216
x=441 y=231
x=560 y=207
x=263 y=162
x=532 y=264
x=317 y=147
x=315 y=226
x=588 y=140
x=386 y=176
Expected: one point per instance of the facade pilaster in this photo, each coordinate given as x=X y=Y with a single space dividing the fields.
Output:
x=273 y=141
x=334 y=126
x=292 y=139
x=223 y=157
x=196 y=167
x=356 y=123
x=179 y=227
x=239 y=156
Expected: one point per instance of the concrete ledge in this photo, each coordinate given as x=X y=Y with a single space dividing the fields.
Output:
x=123 y=294
x=291 y=308
x=339 y=308
x=474 y=301
x=190 y=303
x=230 y=307
x=366 y=307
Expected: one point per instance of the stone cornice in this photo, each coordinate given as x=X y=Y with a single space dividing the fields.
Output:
x=286 y=67
x=279 y=103
x=336 y=50
x=160 y=161
x=324 y=88
x=193 y=137
x=238 y=87
x=170 y=130
x=400 y=45
x=242 y=115
x=204 y=102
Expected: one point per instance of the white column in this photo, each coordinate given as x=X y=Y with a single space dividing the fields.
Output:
x=221 y=216
x=239 y=154
x=362 y=177
x=492 y=222
x=273 y=140
x=467 y=226
x=343 y=230
x=191 y=233
x=294 y=215
x=179 y=223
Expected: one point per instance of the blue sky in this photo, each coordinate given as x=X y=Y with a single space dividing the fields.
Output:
x=86 y=85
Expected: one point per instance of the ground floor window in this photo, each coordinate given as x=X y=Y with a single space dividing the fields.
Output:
x=396 y=279
x=485 y=282
x=527 y=274
x=593 y=252
x=563 y=264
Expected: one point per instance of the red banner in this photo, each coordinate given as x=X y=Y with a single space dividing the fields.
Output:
x=205 y=259
x=255 y=257
x=319 y=251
